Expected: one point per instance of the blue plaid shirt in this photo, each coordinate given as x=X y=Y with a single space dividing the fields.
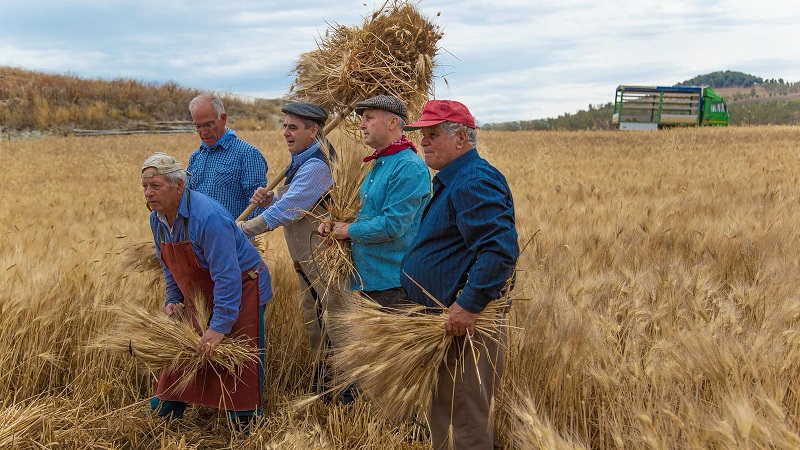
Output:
x=466 y=246
x=229 y=172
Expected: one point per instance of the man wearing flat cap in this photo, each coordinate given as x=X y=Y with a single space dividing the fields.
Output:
x=463 y=255
x=393 y=196
x=203 y=252
x=296 y=205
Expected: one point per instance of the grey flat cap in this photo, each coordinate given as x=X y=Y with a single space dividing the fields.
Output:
x=385 y=102
x=307 y=110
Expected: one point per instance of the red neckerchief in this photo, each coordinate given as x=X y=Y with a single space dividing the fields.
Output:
x=391 y=149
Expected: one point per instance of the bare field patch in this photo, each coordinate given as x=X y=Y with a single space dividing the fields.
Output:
x=657 y=304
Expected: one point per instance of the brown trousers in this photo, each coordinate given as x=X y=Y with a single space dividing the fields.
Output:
x=463 y=401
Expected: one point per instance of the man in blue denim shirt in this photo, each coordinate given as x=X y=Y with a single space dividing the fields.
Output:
x=224 y=167
x=463 y=254
x=393 y=196
x=203 y=252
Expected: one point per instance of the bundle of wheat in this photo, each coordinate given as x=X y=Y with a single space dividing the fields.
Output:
x=332 y=256
x=394 y=354
x=390 y=53
x=160 y=341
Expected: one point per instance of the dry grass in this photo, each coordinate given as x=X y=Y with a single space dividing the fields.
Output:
x=663 y=285
x=59 y=103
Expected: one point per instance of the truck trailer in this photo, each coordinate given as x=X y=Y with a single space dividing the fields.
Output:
x=654 y=107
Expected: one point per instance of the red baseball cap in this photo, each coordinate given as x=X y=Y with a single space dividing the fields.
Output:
x=438 y=111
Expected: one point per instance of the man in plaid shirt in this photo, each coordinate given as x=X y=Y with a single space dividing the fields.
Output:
x=224 y=167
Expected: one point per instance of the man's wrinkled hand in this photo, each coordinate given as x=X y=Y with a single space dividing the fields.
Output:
x=262 y=197
x=460 y=321
x=208 y=342
x=340 y=230
x=325 y=228
x=174 y=309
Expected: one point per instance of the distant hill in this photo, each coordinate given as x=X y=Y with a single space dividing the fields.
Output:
x=60 y=103
x=751 y=100
x=727 y=78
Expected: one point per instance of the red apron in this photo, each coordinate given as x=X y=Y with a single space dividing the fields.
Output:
x=213 y=387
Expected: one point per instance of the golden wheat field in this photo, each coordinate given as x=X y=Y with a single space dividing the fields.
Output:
x=657 y=306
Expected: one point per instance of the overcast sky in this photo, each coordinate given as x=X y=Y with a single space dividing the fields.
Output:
x=505 y=59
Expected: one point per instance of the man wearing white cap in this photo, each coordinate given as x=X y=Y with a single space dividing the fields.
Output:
x=202 y=251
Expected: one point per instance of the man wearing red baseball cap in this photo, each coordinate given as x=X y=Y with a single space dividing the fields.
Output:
x=463 y=255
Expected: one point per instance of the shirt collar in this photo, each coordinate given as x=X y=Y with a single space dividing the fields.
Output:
x=183 y=210
x=223 y=140
x=450 y=171
x=306 y=154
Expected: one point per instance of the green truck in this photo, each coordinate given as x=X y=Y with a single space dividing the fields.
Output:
x=654 y=107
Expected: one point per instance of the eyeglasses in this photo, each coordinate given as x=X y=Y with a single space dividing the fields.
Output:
x=205 y=126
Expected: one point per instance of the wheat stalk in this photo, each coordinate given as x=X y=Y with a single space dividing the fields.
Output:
x=333 y=256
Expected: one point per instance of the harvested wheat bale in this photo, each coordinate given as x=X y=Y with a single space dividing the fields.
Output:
x=390 y=53
x=394 y=354
x=161 y=342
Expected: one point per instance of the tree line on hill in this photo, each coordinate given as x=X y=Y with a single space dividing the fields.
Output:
x=723 y=79
x=777 y=102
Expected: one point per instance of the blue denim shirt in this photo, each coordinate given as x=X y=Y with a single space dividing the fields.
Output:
x=466 y=247
x=393 y=196
x=229 y=172
x=221 y=248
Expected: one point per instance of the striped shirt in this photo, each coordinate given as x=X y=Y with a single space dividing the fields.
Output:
x=229 y=172
x=311 y=181
x=466 y=247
